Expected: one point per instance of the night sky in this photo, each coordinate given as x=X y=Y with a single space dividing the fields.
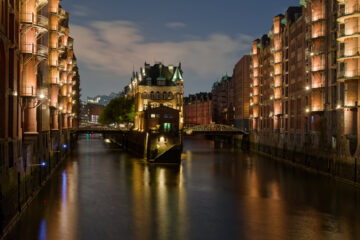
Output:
x=112 y=37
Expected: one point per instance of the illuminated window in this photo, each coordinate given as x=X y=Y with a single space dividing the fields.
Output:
x=167 y=127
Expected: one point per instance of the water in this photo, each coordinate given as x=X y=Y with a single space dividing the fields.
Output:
x=104 y=193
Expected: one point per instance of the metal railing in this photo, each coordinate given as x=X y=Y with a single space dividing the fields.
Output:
x=317 y=34
x=42 y=21
x=317 y=50
x=349 y=11
x=318 y=17
x=54 y=80
x=344 y=53
x=28 y=91
x=317 y=67
x=35 y=49
x=37 y=20
x=41 y=3
x=348 y=73
x=343 y=33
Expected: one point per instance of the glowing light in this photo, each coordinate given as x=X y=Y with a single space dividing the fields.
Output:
x=307 y=110
x=42 y=96
x=307 y=88
x=338 y=106
x=107 y=140
x=43 y=164
x=15 y=93
x=162 y=139
x=65 y=146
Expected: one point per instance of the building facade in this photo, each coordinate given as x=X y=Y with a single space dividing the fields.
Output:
x=39 y=85
x=304 y=81
x=241 y=85
x=156 y=86
x=198 y=109
x=222 y=101
x=90 y=113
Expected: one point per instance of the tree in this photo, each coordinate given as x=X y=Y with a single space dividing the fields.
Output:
x=119 y=110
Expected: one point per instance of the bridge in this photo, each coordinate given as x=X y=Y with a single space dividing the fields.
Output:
x=214 y=130
x=97 y=129
x=208 y=129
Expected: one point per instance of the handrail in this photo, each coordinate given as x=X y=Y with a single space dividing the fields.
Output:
x=347 y=11
x=28 y=91
x=349 y=52
x=317 y=17
x=39 y=20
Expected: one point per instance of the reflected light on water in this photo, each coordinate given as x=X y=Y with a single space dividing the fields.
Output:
x=42 y=230
x=64 y=187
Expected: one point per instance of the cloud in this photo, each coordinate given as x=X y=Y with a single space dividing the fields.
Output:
x=80 y=11
x=117 y=46
x=175 y=25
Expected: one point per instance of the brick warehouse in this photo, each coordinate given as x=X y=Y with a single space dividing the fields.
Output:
x=304 y=94
x=39 y=92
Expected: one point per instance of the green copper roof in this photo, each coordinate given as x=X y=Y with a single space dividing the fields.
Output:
x=303 y=3
x=177 y=75
x=284 y=21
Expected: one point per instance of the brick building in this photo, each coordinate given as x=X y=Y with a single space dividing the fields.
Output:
x=156 y=86
x=198 y=109
x=39 y=85
x=222 y=101
x=241 y=84
x=304 y=80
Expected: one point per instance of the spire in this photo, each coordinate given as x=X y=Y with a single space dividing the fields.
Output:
x=177 y=75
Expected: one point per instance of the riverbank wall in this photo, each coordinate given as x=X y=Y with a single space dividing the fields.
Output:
x=152 y=146
x=336 y=160
x=25 y=167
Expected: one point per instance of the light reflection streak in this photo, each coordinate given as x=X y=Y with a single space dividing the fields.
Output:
x=42 y=230
x=64 y=187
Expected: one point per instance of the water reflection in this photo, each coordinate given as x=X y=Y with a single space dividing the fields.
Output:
x=104 y=193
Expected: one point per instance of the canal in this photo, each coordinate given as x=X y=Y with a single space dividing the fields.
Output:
x=103 y=193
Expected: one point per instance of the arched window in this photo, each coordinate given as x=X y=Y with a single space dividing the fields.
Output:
x=164 y=96
x=158 y=95
x=152 y=95
x=170 y=96
x=144 y=95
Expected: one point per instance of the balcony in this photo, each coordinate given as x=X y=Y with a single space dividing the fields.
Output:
x=41 y=3
x=62 y=30
x=318 y=34
x=349 y=54
x=62 y=13
x=318 y=68
x=345 y=34
x=316 y=51
x=28 y=92
x=348 y=75
x=54 y=81
x=348 y=13
x=37 y=21
x=318 y=17
x=36 y=50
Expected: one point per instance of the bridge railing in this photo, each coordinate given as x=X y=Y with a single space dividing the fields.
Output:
x=213 y=128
